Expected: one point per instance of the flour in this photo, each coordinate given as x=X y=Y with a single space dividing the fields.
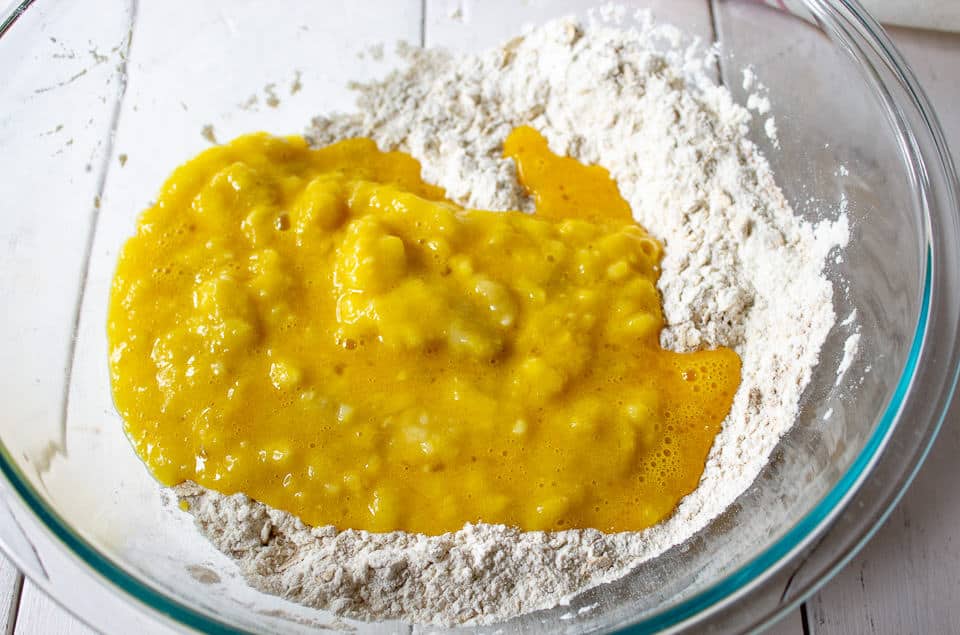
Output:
x=740 y=270
x=851 y=346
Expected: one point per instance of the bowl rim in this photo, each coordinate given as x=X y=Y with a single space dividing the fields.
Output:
x=854 y=23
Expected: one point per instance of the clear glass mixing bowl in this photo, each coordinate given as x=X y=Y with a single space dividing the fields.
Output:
x=101 y=99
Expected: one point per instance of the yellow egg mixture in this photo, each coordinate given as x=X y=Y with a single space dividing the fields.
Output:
x=325 y=332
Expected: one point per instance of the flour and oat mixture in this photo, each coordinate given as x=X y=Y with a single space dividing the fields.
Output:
x=740 y=270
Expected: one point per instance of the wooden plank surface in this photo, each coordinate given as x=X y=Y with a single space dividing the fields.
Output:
x=791 y=624
x=11 y=582
x=39 y=614
x=907 y=579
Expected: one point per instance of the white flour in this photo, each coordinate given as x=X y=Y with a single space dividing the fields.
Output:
x=740 y=270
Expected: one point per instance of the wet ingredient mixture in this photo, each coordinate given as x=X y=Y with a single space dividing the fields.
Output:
x=326 y=333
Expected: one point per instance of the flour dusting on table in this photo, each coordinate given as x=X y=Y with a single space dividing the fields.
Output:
x=740 y=270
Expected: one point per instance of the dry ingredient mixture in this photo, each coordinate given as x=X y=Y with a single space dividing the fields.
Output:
x=740 y=270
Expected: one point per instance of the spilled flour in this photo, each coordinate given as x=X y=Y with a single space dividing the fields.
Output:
x=740 y=270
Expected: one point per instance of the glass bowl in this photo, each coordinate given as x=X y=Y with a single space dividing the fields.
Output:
x=101 y=99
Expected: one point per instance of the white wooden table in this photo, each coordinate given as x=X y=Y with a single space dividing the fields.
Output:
x=907 y=579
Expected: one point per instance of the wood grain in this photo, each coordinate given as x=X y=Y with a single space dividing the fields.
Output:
x=11 y=582
x=39 y=614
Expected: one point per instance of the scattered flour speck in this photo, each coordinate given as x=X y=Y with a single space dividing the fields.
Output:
x=850 y=347
x=770 y=128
